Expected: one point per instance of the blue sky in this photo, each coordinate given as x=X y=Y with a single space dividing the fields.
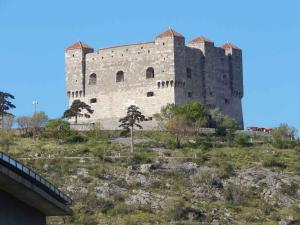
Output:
x=34 y=35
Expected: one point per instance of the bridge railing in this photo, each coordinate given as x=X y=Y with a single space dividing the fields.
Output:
x=23 y=170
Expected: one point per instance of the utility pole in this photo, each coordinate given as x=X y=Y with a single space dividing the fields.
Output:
x=35 y=103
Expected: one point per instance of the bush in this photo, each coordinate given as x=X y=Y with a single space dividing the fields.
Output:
x=235 y=194
x=273 y=162
x=284 y=137
x=57 y=129
x=242 y=140
x=76 y=138
x=177 y=209
x=140 y=158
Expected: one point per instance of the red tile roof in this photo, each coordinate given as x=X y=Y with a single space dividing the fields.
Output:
x=169 y=33
x=79 y=45
x=200 y=40
x=229 y=45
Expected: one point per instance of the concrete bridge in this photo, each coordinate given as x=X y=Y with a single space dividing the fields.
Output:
x=26 y=198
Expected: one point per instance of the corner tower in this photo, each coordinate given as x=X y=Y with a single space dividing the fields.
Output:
x=75 y=69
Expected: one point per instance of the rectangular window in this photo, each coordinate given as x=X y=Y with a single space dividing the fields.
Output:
x=190 y=94
x=93 y=100
x=150 y=94
x=226 y=101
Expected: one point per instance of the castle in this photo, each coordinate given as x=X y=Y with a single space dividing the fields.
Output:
x=152 y=74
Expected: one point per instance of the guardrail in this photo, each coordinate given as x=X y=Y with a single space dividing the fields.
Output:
x=24 y=171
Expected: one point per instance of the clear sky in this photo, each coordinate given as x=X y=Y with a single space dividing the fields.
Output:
x=34 y=34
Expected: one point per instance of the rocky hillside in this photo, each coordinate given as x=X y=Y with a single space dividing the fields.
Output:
x=204 y=182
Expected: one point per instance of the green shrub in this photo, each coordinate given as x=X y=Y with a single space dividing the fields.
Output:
x=284 y=137
x=177 y=209
x=57 y=129
x=76 y=138
x=140 y=157
x=273 y=162
x=242 y=140
x=235 y=194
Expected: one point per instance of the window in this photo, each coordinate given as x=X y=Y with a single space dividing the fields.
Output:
x=76 y=94
x=150 y=73
x=120 y=76
x=167 y=83
x=171 y=83
x=93 y=100
x=150 y=94
x=226 y=101
x=188 y=73
x=69 y=93
x=190 y=94
x=158 y=84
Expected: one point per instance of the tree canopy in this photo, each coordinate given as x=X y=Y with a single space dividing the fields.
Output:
x=5 y=105
x=131 y=120
x=78 y=108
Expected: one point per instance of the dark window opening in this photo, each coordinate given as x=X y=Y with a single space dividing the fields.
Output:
x=120 y=76
x=76 y=94
x=69 y=93
x=158 y=84
x=189 y=73
x=93 y=79
x=93 y=100
x=150 y=94
x=167 y=83
x=190 y=94
x=150 y=73
x=171 y=83
x=226 y=101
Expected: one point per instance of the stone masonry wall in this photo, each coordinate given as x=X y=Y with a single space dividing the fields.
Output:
x=182 y=73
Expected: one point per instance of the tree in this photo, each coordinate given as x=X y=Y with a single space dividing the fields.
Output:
x=183 y=119
x=131 y=120
x=223 y=124
x=57 y=129
x=5 y=105
x=284 y=136
x=77 y=109
x=6 y=139
x=8 y=122
x=24 y=123
x=37 y=122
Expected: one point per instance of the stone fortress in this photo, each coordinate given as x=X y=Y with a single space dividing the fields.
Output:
x=152 y=74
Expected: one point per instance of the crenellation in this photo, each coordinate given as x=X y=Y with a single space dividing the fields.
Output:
x=152 y=74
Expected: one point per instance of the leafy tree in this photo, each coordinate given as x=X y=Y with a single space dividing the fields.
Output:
x=131 y=120
x=183 y=119
x=223 y=124
x=5 y=105
x=77 y=109
x=57 y=129
x=284 y=136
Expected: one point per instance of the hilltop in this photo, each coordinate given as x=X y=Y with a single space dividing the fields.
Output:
x=209 y=180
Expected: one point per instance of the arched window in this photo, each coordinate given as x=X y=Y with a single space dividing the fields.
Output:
x=158 y=84
x=188 y=73
x=171 y=83
x=163 y=84
x=150 y=73
x=120 y=76
x=93 y=79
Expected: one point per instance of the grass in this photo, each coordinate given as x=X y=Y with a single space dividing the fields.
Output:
x=48 y=157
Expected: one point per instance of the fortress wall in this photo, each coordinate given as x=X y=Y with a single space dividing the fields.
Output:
x=113 y=97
